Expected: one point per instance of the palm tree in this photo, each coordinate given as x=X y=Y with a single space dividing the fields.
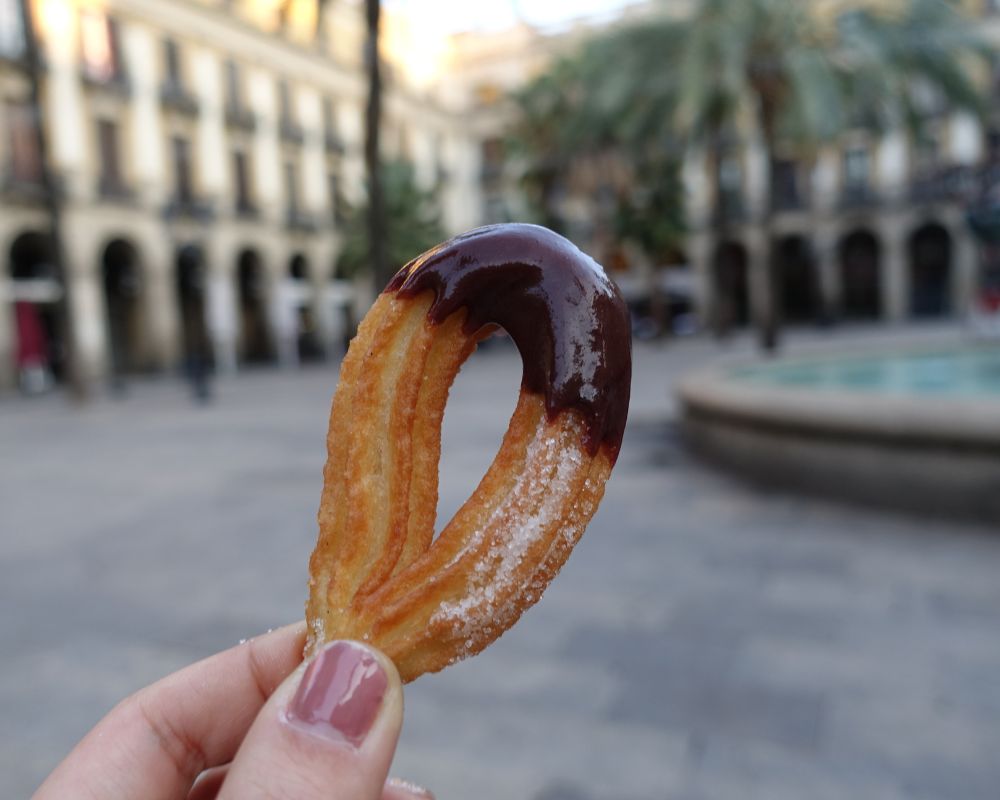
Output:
x=373 y=118
x=797 y=77
x=413 y=224
x=377 y=260
x=580 y=118
x=794 y=74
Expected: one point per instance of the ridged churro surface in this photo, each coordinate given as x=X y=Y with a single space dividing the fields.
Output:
x=377 y=573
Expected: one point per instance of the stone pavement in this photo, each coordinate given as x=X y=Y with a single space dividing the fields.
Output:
x=705 y=641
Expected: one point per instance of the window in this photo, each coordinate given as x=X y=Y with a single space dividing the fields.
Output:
x=99 y=46
x=729 y=186
x=927 y=152
x=234 y=97
x=440 y=167
x=241 y=178
x=171 y=63
x=730 y=174
x=329 y=119
x=107 y=137
x=11 y=29
x=336 y=206
x=405 y=151
x=183 y=187
x=785 y=184
x=856 y=168
x=25 y=164
x=492 y=154
x=331 y=131
x=992 y=145
x=284 y=101
x=291 y=187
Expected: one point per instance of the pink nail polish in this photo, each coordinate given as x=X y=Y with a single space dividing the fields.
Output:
x=340 y=694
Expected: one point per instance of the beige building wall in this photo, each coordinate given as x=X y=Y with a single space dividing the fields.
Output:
x=147 y=216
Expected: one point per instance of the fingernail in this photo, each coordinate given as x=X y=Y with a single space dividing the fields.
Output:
x=405 y=787
x=340 y=694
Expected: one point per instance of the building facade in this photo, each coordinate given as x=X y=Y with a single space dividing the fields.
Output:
x=203 y=150
x=873 y=228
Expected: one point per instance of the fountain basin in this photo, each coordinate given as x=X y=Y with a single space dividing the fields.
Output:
x=912 y=429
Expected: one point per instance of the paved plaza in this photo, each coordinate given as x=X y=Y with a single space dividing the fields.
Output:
x=706 y=641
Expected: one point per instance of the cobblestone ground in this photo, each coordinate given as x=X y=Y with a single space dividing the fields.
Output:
x=704 y=641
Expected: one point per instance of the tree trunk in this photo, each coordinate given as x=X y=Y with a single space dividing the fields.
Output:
x=768 y=328
x=376 y=213
x=720 y=312
x=75 y=380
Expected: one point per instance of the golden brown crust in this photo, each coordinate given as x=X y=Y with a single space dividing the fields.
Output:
x=377 y=573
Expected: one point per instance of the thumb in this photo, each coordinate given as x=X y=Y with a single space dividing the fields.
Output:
x=329 y=731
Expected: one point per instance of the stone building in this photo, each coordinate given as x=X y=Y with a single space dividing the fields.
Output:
x=873 y=229
x=202 y=148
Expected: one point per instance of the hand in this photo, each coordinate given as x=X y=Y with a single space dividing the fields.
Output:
x=252 y=722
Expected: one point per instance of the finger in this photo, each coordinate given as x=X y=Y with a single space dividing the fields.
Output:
x=329 y=731
x=396 y=789
x=210 y=782
x=154 y=744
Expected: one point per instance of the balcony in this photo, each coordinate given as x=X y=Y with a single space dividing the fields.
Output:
x=177 y=97
x=490 y=171
x=946 y=185
x=291 y=132
x=858 y=196
x=788 y=199
x=114 y=189
x=189 y=207
x=333 y=144
x=115 y=83
x=241 y=118
x=299 y=221
x=730 y=209
x=16 y=59
x=246 y=209
x=21 y=187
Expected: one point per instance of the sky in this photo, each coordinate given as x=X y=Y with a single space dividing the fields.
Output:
x=451 y=16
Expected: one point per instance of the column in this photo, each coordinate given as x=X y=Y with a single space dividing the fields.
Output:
x=760 y=278
x=284 y=321
x=894 y=272
x=8 y=376
x=965 y=268
x=89 y=329
x=699 y=251
x=221 y=319
x=163 y=325
x=828 y=275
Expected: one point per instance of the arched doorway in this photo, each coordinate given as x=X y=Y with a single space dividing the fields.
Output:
x=732 y=296
x=307 y=331
x=860 y=276
x=930 y=271
x=795 y=279
x=40 y=354
x=255 y=335
x=191 y=283
x=122 y=281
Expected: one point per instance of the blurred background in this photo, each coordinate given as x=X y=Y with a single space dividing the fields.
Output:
x=791 y=589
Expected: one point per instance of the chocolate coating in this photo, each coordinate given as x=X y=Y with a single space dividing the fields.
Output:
x=566 y=317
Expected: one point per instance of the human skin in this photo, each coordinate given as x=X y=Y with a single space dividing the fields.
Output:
x=254 y=721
